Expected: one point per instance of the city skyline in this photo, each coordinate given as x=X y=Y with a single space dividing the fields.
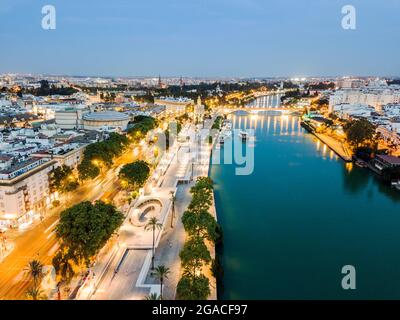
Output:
x=208 y=39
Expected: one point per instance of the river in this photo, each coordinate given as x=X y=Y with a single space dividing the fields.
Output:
x=303 y=214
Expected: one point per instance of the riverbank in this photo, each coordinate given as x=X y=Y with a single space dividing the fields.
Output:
x=332 y=143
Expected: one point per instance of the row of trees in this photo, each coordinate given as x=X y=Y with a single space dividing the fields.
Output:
x=46 y=89
x=82 y=231
x=200 y=227
x=101 y=154
x=142 y=125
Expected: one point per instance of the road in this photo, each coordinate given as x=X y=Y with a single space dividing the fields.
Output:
x=39 y=242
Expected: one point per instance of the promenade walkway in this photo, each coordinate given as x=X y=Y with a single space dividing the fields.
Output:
x=126 y=273
x=336 y=145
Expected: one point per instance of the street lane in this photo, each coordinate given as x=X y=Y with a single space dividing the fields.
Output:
x=39 y=241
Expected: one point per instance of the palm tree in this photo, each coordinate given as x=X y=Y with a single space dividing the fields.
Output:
x=152 y=296
x=161 y=273
x=153 y=224
x=173 y=199
x=35 y=270
x=35 y=294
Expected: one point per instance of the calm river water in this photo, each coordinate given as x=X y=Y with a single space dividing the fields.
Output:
x=303 y=214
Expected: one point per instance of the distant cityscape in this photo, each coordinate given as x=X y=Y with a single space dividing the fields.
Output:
x=68 y=142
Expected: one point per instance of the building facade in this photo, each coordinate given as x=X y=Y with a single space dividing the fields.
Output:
x=24 y=191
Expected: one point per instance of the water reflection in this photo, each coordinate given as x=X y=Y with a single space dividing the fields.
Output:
x=355 y=180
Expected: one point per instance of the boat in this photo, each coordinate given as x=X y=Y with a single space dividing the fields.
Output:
x=361 y=164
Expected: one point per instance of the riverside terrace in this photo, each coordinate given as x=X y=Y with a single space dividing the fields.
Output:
x=123 y=272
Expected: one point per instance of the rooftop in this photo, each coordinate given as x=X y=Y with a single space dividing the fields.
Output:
x=389 y=159
x=105 y=116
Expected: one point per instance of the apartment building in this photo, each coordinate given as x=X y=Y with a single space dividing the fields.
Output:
x=24 y=191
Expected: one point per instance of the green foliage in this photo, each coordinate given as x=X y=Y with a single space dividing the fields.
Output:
x=135 y=174
x=217 y=123
x=101 y=154
x=47 y=90
x=85 y=228
x=189 y=288
x=194 y=255
x=35 y=271
x=62 y=263
x=87 y=170
x=359 y=132
x=143 y=124
x=161 y=273
x=201 y=224
x=61 y=179
x=35 y=294
x=152 y=296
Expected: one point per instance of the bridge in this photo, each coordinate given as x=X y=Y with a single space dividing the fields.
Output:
x=282 y=110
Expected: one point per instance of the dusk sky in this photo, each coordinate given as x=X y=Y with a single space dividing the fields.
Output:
x=201 y=38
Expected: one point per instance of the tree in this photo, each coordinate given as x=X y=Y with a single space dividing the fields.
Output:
x=194 y=256
x=143 y=124
x=135 y=174
x=359 y=132
x=85 y=228
x=201 y=201
x=62 y=263
x=203 y=183
x=152 y=296
x=153 y=224
x=201 y=224
x=162 y=272
x=35 y=270
x=62 y=179
x=189 y=288
x=35 y=294
x=87 y=170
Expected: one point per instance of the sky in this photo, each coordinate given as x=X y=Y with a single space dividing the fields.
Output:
x=204 y=38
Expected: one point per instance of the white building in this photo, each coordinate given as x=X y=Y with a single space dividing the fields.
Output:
x=374 y=98
x=174 y=105
x=48 y=111
x=69 y=154
x=349 y=83
x=71 y=118
x=348 y=111
x=109 y=119
x=24 y=191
